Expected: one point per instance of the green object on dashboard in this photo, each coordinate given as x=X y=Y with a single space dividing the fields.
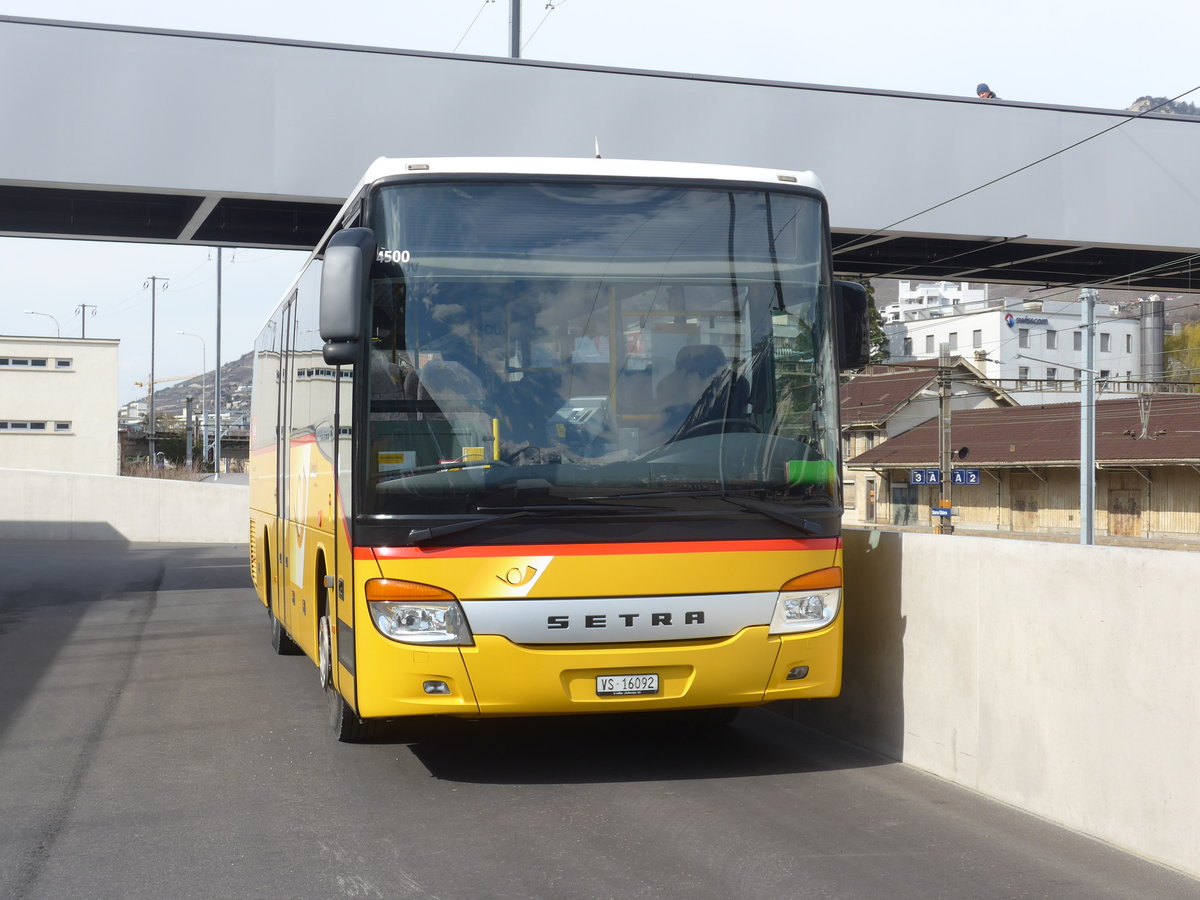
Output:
x=810 y=471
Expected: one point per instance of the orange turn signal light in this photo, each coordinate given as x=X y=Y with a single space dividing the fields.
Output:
x=822 y=578
x=395 y=590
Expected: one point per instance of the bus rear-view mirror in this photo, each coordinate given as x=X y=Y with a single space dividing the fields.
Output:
x=347 y=266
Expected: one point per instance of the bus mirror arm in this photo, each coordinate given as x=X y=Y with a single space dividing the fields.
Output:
x=344 y=275
x=853 y=332
x=340 y=353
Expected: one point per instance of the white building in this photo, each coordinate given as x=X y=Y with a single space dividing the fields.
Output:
x=58 y=401
x=1034 y=349
x=931 y=297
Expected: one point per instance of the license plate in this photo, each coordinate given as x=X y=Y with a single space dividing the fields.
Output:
x=625 y=685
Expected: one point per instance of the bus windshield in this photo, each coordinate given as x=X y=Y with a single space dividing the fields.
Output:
x=563 y=342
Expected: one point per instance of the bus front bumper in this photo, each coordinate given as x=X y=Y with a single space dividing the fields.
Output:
x=497 y=677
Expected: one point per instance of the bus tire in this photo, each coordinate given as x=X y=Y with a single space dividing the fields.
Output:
x=280 y=642
x=325 y=652
x=347 y=726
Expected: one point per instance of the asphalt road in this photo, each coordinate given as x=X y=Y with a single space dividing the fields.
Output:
x=152 y=746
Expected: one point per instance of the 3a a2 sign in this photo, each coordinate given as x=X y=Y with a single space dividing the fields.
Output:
x=934 y=476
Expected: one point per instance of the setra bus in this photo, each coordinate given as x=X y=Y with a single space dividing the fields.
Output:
x=554 y=436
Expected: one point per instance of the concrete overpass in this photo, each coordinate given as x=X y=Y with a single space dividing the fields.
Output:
x=117 y=133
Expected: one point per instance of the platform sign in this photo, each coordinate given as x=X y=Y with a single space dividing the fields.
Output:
x=964 y=476
x=924 y=476
x=940 y=511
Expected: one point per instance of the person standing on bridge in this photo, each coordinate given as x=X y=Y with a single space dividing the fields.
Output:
x=984 y=92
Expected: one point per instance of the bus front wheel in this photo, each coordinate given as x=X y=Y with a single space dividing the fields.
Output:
x=325 y=652
x=347 y=726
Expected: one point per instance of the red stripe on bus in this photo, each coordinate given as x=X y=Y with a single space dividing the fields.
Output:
x=368 y=553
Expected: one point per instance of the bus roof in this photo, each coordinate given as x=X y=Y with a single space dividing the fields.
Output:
x=386 y=167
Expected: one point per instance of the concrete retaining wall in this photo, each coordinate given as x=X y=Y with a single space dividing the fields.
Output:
x=1064 y=680
x=71 y=507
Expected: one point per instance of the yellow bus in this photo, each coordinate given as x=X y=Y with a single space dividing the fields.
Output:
x=556 y=436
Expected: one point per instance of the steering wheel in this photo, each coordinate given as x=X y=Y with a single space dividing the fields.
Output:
x=718 y=426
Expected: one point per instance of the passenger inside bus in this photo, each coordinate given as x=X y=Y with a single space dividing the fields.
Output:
x=524 y=407
x=701 y=389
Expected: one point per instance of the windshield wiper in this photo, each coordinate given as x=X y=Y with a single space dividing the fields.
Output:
x=421 y=535
x=758 y=506
x=804 y=525
x=574 y=505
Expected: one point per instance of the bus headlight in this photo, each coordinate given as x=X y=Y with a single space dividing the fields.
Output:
x=416 y=613
x=809 y=602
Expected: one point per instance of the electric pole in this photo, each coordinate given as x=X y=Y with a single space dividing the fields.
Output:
x=151 y=430
x=1087 y=419
x=514 y=28
x=187 y=405
x=945 y=525
x=217 y=382
x=82 y=311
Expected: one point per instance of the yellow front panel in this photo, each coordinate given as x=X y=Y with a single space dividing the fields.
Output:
x=391 y=678
x=556 y=571
x=498 y=677
x=512 y=679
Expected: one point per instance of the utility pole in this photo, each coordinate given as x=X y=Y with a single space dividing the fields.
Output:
x=187 y=403
x=81 y=311
x=945 y=525
x=151 y=429
x=217 y=382
x=203 y=389
x=514 y=28
x=1087 y=419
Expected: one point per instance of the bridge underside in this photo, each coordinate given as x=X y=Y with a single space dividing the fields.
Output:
x=252 y=142
x=1014 y=262
x=298 y=225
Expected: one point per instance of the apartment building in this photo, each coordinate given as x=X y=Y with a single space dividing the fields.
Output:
x=58 y=402
x=1033 y=348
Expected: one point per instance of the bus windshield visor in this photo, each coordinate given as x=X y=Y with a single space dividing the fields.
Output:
x=566 y=342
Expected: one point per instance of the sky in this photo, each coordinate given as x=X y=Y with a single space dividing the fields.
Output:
x=1101 y=53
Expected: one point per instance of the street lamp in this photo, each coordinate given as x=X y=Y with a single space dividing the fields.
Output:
x=34 y=312
x=203 y=385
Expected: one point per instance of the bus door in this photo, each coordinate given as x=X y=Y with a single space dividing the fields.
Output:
x=283 y=596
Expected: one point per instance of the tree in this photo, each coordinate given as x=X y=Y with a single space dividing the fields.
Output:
x=1182 y=353
x=880 y=350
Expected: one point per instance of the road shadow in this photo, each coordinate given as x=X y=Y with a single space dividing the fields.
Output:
x=624 y=748
x=50 y=586
x=870 y=710
x=20 y=531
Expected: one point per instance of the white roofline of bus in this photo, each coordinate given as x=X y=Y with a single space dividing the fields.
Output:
x=385 y=167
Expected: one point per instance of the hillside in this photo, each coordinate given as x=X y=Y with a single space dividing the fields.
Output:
x=169 y=401
x=1165 y=106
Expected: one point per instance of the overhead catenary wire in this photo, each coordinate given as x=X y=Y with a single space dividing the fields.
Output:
x=551 y=6
x=472 y=25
